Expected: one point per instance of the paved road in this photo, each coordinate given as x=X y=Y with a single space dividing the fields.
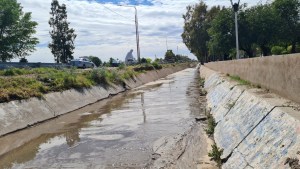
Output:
x=143 y=128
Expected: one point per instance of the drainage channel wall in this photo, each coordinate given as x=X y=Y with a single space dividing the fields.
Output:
x=17 y=115
x=255 y=128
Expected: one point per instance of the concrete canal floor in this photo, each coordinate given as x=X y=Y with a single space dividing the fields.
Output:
x=149 y=127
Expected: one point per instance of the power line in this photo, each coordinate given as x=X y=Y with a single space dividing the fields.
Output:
x=116 y=12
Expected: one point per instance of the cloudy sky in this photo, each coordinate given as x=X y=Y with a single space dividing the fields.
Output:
x=105 y=29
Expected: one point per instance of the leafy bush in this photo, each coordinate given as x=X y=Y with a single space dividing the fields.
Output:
x=277 y=50
x=99 y=76
x=156 y=65
x=127 y=74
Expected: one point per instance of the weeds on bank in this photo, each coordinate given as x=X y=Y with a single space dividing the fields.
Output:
x=211 y=124
x=17 y=84
x=202 y=82
x=215 y=154
x=239 y=80
x=243 y=82
x=230 y=105
x=147 y=67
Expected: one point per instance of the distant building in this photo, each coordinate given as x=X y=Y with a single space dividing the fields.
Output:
x=129 y=59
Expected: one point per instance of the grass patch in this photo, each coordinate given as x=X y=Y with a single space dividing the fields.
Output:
x=215 y=154
x=239 y=80
x=20 y=88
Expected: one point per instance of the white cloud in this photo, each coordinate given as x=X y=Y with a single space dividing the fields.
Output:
x=105 y=34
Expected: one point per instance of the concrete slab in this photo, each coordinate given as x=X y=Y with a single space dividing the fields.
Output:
x=242 y=118
x=275 y=139
x=16 y=115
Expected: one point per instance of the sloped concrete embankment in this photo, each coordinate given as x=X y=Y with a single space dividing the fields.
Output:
x=256 y=129
x=16 y=115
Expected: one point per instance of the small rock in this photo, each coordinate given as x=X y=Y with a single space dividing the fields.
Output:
x=201 y=118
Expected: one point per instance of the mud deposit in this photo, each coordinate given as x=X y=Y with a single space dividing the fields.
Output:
x=152 y=126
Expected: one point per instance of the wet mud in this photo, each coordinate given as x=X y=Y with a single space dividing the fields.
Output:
x=152 y=126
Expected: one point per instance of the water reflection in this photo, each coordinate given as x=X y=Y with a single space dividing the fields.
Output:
x=143 y=107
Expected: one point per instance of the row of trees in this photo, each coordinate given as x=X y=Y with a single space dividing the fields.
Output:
x=17 y=32
x=210 y=33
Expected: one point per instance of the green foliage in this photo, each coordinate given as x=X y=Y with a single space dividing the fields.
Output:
x=95 y=60
x=170 y=56
x=23 y=60
x=196 y=24
x=19 y=88
x=16 y=31
x=99 y=76
x=277 y=50
x=63 y=37
x=143 y=60
x=288 y=12
x=156 y=65
x=211 y=124
x=16 y=84
x=215 y=154
x=149 y=60
x=14 y=72
x=202 y=81
x=129 y=73
x=239 y=80
x=121 y=66
x=210 y=33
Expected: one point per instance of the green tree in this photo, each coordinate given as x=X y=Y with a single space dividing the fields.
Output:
x=143 y=60
x=95 y=60
x=289 y=12
x=23 y=60
x=170 y=56
x=111 y=60
x=262 y=19
x=16 y=31
x=63 y=37
x=221 y=34
x=195 y=34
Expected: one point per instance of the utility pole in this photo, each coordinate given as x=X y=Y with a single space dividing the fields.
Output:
x=138 y=52
x=137 y=36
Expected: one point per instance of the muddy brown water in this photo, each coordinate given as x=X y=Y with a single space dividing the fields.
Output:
x=115 y=133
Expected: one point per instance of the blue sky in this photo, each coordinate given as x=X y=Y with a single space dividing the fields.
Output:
x=105 y=29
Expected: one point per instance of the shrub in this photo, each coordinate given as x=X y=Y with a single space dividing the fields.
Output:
x=211 y=124
x=202 y=81
x=98 y=76
x=277 y=50
x=156 y=65
x=23 y=60
x=215 y=154
x=121 y=66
